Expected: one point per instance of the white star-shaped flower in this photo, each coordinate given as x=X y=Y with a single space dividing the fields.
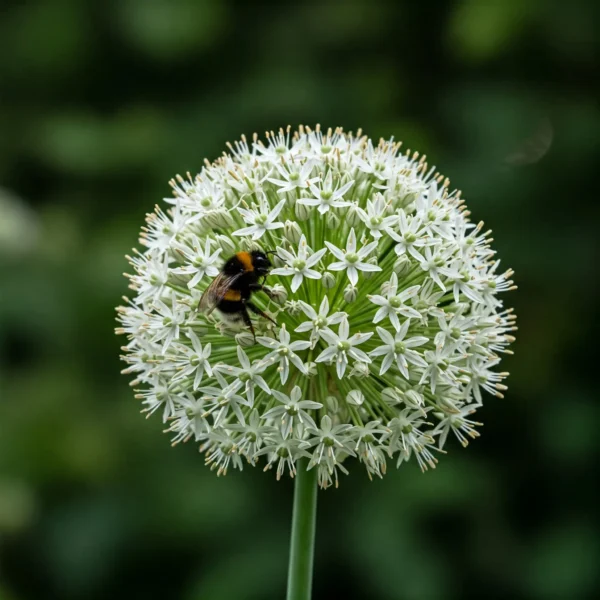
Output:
x=325 y=197
x=351 y=260
x=293 y=411
x=261 y=220
x=433 y=261
x=320 y=321
x=374 y=217
x=459 y=424
x=293 y=176
x=411 y=235
x=440 y=369
x=193 y=361
x=396 y=348
x=285 y=352
x=199 y=262
x=394 y=304
x=249 y=374
x=341 y=346
x=299 y=264
x=218 y=400
x=166 y=322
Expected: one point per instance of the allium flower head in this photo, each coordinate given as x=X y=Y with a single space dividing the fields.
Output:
x=386 y=298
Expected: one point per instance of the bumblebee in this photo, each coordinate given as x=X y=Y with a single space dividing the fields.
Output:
x=230 y=291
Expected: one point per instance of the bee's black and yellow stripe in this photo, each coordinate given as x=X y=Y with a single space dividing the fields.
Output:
x=240 y=277
x=239 y=291
x=232 y=295
x=245 y=259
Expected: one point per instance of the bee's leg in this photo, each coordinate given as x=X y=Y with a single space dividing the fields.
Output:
x=248 y=321
x=257 y=287
x=257 y=311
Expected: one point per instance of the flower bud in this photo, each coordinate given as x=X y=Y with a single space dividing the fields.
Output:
x=391 y=395
x=292 y=232
x=360 y=369
x=279 y=294
x=226 y=244
x=369 y=274
x=448 y=405
x=362 y=189
x=355 y=397
x=328 y=280
x=311 y=368
x=293 y=307
x=332 y=221
x=402 y=266
x=301 y=211
x=413 y=398
x=218 y=219
x=244 y=339
x=331 y=404
x=352 y=217
x=350 y=293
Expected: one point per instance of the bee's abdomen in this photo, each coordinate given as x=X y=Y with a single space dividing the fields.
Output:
x=233 y=295
x=230 y=306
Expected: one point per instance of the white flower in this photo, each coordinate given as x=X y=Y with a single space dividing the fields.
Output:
x=396 y=348
x=277 y=149
x=380 y=162
x=166 y=322
x=293 y=176
x=283 y=451
x=161 y=394
x=459 y=424
x=253 y=435
x=463 y=281
x=411 y=235
x=152 y=276
x=293 y=411
x=284 y=351
x=248 y=374
x=200 y=262
x=374 y=217
x=454 y=330
x=318 y=322
x=441 y=367
x=331 y=444
x=299 y=264
x=432 y=262
x=406 y=437
x=192 y=361
x=341 y=346
x=325 y=196
x=434 y=213
x=394 y=303
x=261 y=220
x=351 y=260
x=218 y=400
x=418 y=273
x=162 y=228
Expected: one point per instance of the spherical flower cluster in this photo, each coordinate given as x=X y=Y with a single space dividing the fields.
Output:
x=386 y=299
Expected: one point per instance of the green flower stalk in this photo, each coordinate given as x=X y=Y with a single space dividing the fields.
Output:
x=386 y=298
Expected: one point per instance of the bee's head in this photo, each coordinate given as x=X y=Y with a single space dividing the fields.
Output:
x=260 y=261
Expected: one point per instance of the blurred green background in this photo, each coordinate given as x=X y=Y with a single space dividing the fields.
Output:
x=101 y=103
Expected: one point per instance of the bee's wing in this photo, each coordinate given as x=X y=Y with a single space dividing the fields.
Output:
x=216 y=291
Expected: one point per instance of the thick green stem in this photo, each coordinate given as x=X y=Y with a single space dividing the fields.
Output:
x=303 y=533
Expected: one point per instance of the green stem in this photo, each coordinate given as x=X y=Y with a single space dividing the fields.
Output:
x=303 y=533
